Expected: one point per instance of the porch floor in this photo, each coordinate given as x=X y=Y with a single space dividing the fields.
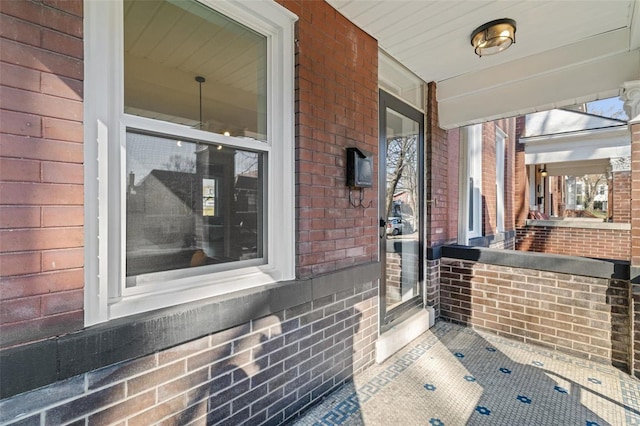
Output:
x=453 y=375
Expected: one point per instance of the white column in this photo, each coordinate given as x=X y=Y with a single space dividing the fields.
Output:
x=631 y=98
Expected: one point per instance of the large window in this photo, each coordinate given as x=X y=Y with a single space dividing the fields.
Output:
x=191 y=106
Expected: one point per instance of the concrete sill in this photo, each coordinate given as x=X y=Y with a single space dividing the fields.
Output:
x=402 y=334
x=579 y=223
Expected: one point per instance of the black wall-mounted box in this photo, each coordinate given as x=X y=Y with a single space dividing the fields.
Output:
x=359 y=168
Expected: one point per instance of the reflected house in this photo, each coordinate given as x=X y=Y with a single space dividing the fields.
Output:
x=246 y=216
x=168 y=210
x=160 y=223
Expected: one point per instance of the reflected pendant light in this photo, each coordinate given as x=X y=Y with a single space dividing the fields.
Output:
x=200 y=80
x=494 y=36
x=543 y=171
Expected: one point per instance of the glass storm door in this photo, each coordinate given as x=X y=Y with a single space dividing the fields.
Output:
x=401 y=211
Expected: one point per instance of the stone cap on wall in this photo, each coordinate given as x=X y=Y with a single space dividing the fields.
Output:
x=574 y=265
x=579 y=223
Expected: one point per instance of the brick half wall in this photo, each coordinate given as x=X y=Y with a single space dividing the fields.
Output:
x=573 y=312
x=548 y=237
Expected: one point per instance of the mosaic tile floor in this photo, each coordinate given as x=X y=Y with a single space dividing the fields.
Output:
x=453 y=375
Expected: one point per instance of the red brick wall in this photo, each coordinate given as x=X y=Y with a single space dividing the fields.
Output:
x=41 y=172
x=585 y=242
x=437 y=176
x=336 y=108
x=520 y=188
x=621 y=197
x=453 y=184
x=635 y=194
x=488 y=179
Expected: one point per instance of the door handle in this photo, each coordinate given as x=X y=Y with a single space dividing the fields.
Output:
x=383 y=223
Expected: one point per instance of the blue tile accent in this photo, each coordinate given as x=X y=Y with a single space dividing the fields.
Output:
x=560 y=389
x=483 y=410
x=345 y=408
x=342 y=411
x=524 y=399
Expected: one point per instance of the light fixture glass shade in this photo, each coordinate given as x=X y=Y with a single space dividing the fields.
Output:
x=494 y=36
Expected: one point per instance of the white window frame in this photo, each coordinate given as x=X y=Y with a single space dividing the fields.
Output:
x=105 y=124
x=500 y=158
x=470 y=168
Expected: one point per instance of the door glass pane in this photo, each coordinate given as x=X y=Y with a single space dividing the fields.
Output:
x=402 y=208
x=168 y=44
x=190 y=204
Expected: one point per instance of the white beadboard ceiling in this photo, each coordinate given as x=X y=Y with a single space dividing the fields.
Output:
x=566 y=51
x=168 y=43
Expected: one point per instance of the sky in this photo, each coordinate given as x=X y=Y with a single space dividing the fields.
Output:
x=611 y=107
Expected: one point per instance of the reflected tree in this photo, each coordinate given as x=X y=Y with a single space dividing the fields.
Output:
x=402 y=173
x=590 y=189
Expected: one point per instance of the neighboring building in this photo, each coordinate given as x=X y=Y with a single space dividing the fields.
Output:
x=179 y=243
x=573 y=159
x=566 y=154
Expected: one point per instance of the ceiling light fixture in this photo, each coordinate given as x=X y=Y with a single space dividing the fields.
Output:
x=494 y=36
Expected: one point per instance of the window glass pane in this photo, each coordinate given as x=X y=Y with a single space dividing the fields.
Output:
x=402 y=204
x=168 y=44
x=396 y=79
x=190 y=204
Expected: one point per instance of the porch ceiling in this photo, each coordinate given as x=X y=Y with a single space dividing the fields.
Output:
x=566 y=52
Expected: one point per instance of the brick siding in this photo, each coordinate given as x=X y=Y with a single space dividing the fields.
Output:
x=573 y=241
x=432 y=278
x=635 y=297
x=437 y=174
x=41 y=171
x=521 y=188
x=489 y=195
x=41 y=160
x=582 y=316
x=635 y=195
x=264 y=371
x=621 y=197
x=336 y=108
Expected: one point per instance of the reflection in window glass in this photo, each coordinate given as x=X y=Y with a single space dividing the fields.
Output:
x=190 y=204
x=403 y=208
x=168 y=44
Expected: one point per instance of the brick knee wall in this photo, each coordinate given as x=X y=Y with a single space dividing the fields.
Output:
x=586 y=242
x=582 y=316
x=267 y=370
